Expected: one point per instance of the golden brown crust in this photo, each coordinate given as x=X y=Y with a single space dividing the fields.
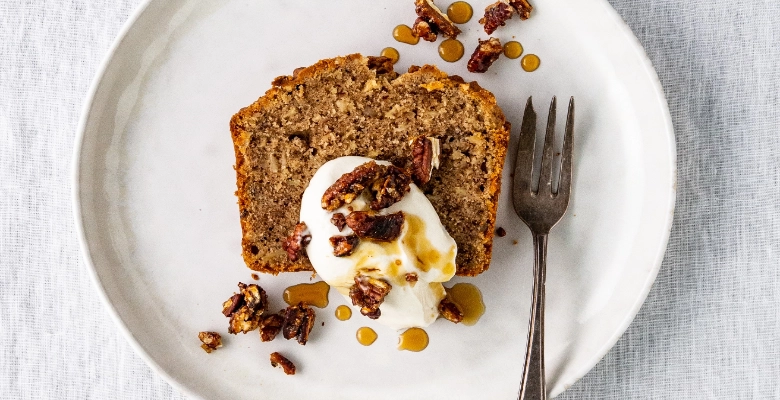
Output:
x=245 y=128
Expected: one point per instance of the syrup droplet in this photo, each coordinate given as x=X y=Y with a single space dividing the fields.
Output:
x=413 y=339
x=469 y=299
x=460 y=12
x=403 y=34
x=513 y=49
x=314 y=294
x=451 y=50
x=530 y=62
x=390 y=53
x=365 y=336
x=343 y=313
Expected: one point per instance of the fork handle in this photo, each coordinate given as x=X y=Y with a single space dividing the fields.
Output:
x=533 y=386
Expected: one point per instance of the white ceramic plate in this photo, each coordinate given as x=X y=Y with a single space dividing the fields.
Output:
x=159 y=227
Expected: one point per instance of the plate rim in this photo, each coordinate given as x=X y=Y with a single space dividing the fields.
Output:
x=75 y=181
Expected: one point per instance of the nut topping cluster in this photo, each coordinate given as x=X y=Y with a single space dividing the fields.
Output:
x=383 y=228
x=423 y=30
x=425 y=157
x=485 y=55
x=450 y=311
x=387 y=184
x=339 y=221
x=436 y=20
x=369 y=293
x=245 y=308
x=298 y=322
x=211 y=341
x=278 y=360
x=501 y=11
x=344 y=245
x=270 y=327
x=295 y=244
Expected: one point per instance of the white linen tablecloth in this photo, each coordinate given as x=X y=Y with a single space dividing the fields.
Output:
x=710 y=328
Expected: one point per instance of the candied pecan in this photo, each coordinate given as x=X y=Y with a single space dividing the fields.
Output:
x=369 y=293
x=211 y=341
x=484 y=55
x=424 y=30
x=298 y=321
x=295 y=244
x=344 y=245
x=496 y=15
x=411 y=277
x=450 y=311
x=245 y=308
x=428 y=11
x=523 y=8
x=387 y=184
x=380 y=227
x=425 y=157
x=270 y=327
x=339 y=221
x=278 y=360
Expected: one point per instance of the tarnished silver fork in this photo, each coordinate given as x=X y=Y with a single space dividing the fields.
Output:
x=540 y=210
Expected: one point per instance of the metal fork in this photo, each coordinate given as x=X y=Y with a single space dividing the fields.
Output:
x=540 y=210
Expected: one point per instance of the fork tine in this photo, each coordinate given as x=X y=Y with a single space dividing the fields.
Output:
x=545 y=184
x=564 y=184
x=525 y=150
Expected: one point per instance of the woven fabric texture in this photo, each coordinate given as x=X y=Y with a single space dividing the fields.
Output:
x=710 y=328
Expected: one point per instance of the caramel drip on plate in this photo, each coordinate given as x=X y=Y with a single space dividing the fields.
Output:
x=513 y=49
x=390 y=53
x=313 y=294
x=365 y=336
x=468 y=298
x=413 y=339
x=343 y=313
x=530 y=62
x=451 y=50
x=403 y=34
x=460 y=12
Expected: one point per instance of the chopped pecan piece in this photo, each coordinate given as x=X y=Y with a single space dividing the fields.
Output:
x=339 y=221
x=211 y=341
x=424 y=30
x=485 y=55
x=295 y=244
x=496 y=15
x=450 y=311
x=425 y=157
x=270 y=327
x=387 y=184
x=298 y=321
x=380 y=227
x=344 y=245
x=411 y=277
x=523 y=8
x=278 y=360
x=369 y=293
x=245 y=308
x=500 y=232
x=428 y=11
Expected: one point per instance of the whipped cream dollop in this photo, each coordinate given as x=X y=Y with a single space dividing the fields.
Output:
x=423 y=248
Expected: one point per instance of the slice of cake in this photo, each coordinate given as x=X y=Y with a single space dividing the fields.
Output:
x=358 y=106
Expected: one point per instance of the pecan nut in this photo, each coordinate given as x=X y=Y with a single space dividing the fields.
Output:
x=428 y=11
x=211 y=341
x=523 y=8
x=270 y=326
x=386 y=183
x=384 y=228
x=344 y=245
x=450 y=311
x=424 y=30
x=496 y=15
x=295 y=244
x=411 y=278
x=298 y=322
x=425 y=157
x=278 y=360
x=484 y=55
x=245 y=308
x=369 y=293
x=339 y=221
